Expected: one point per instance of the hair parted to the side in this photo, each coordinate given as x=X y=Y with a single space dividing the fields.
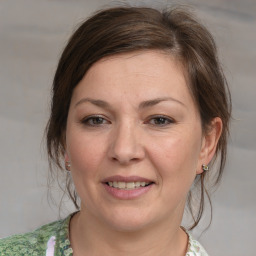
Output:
x=126 y=29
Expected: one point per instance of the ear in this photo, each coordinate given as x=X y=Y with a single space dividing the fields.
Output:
x=66 y=157
x=209 y=143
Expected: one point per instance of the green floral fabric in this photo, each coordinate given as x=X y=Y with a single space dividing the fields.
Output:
x=37 y=243
x=195 y=248
x=52 y=240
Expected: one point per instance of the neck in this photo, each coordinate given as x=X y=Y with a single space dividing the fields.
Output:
x=89 y=237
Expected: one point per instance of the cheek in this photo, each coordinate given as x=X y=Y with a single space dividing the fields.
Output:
x=176 y=158
x=85 y=153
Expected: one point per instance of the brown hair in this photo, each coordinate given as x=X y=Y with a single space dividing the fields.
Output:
x=125 y=29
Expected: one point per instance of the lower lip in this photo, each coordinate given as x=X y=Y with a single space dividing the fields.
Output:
x=127 y=194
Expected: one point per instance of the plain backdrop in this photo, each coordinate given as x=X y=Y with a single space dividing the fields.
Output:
x=32 y=35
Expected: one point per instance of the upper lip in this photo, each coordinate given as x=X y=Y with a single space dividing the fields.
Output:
x=125 y=179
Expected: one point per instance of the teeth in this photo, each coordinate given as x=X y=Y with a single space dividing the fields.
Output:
x=115 y=185
x=130 y=185
x=121 y=184
x=127 y=185
x=137 y=184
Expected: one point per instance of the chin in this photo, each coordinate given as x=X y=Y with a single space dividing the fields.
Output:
x=130 y=220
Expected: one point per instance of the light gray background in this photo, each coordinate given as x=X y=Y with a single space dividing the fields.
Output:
x=32 y=35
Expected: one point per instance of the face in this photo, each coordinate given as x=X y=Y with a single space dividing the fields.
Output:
x=134 y=140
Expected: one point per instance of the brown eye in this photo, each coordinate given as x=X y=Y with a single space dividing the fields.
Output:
x=160 y=121
x=94 y=121
x=97 y=120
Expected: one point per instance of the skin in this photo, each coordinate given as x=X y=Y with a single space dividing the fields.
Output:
x=161 y=141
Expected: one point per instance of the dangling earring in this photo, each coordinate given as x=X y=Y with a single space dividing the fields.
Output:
x=67 y=165
x=205 y=167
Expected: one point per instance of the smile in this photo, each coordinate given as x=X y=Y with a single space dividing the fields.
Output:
x=127 y=185
x=127 y=188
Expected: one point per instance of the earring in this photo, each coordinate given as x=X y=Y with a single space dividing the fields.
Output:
x=67 y=165
x=205 y=167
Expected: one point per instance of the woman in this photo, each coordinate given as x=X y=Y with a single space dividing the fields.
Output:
x=140 y=111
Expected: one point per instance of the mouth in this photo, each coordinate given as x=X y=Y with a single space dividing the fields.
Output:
x=127 y=188
x=128 y=185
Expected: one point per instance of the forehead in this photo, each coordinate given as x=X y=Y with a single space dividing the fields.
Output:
x=145 y=73
x=150 y=62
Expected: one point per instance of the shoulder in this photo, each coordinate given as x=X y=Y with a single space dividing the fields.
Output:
x=33 y=243
x=195 y=248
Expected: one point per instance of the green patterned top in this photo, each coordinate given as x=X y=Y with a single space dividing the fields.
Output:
x=52 y=240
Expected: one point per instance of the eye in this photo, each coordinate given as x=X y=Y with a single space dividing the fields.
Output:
x=94 y=121
x=160 y=121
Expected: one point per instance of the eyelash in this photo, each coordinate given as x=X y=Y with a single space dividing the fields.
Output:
x=87 y=121
x=163 y=118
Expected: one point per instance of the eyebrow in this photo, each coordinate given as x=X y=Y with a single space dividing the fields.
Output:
x=142 y=105
x=153 y=102
x=99 y=103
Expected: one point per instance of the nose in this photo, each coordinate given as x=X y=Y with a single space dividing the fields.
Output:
x=126 y=144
